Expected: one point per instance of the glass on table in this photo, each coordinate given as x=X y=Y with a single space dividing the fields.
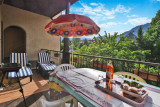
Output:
x=100 y=78
x=112 y=81
x=120 y=79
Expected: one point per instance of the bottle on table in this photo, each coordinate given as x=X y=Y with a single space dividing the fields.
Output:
x=109 y=75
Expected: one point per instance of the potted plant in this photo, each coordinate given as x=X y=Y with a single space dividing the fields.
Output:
x=153 y=74
x=99 y=64
x=140 y=68
x=56 y=54
x=143 y=72
x=48 y=51
x=77 y=60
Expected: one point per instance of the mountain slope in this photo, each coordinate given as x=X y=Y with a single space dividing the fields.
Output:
x=135 y=29
x=132 y=33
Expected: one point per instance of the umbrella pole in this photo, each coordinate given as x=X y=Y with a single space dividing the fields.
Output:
x=72 y=51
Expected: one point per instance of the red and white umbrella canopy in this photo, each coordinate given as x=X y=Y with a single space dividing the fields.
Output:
x=72 y=25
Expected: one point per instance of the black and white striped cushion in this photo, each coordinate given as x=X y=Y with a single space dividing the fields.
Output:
x=20 y=58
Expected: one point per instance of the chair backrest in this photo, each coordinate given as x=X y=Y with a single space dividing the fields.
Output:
x=130 y=76
x=57 y=103
x=20 y=58
x=44 y=58
x=64 y=67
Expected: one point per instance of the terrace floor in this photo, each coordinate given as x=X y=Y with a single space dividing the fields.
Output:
x=35 y=91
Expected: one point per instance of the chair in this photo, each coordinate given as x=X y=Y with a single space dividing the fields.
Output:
x=60 y=102
x=59 y=91
x=44 y=64
x=24 y=71
x=131 y=76
x=64 y=67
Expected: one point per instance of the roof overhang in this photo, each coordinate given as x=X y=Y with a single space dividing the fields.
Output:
x=48 y=8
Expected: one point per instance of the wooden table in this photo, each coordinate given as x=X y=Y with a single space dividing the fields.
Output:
x=94 y=96
x=11 y=67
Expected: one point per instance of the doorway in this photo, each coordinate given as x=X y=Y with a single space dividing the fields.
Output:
x=14 y=41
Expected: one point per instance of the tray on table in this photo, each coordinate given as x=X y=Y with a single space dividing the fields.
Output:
x=122 y=94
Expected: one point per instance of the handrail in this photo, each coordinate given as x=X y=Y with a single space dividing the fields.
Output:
x=50 y=50
x=118 y=59
x=109 y=58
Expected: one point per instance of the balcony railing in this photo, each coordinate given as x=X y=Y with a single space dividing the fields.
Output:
x=147 y=70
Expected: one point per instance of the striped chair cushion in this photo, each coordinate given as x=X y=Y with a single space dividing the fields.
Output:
x=48 y=67
x=20 y=58
x=23 y=72
x=43 y=58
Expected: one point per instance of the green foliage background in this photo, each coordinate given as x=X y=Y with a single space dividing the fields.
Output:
x=109 y=46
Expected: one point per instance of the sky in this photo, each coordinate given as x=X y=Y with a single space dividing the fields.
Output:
x=117 y=15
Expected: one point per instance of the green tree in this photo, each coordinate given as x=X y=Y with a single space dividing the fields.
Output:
x=109 y=46
x=85 y=42
x=152 y=39
x=139 y=39
x=76 y=43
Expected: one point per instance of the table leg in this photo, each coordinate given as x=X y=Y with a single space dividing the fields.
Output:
x=21 y=89
x=3 y=75
x=75 y=102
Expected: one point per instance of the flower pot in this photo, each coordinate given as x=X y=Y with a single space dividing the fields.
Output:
x=143 y=74
x=77 y=60
x=153 y=77
x=99 y=64
x=56 y=55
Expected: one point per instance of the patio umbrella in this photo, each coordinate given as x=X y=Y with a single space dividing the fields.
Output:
x=72 y=25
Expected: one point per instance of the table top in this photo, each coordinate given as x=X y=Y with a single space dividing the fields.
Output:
x=10 y=67
x=80 y=80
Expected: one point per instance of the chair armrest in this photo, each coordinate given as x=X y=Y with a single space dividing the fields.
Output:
x=29 y=65
x=38 y=63
x=52 y=62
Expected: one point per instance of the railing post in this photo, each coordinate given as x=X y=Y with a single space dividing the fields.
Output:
x=97 y=63
x=138 y=69
x=102 y=64
x=158 y=76
x=148 y=74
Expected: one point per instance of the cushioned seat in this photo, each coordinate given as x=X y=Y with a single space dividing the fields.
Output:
x=23 y=72
x=47 y=67
x=44 y=64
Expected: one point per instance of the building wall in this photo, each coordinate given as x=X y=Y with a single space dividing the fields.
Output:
x=33 y=24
